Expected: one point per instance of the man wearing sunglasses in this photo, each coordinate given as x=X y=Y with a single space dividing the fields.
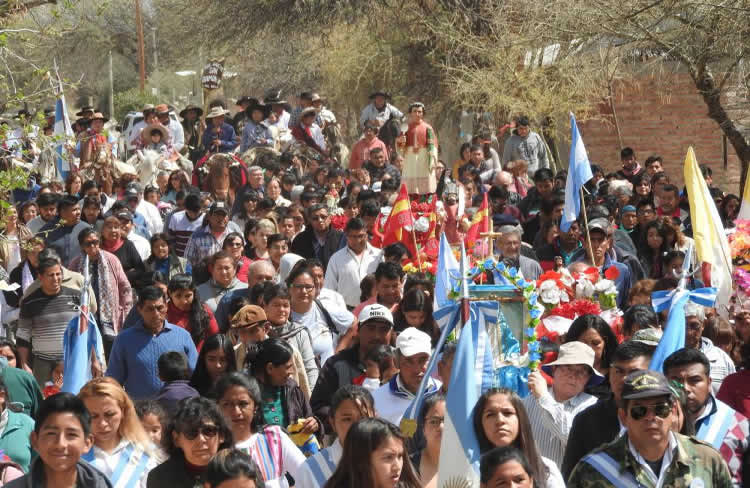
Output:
x=649 y=453
x=716 y=423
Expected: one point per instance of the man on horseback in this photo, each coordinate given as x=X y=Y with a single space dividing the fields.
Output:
x=176 y=134
x=96 y=150
x=379 y=110
x=191 y=128
x=220 y=137
x=309 y=133
x=256 y=133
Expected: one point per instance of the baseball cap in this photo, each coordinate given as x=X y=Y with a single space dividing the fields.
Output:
x=125 y=215
x=645 y=384
x=218 y=207
x=131 y=193
x=412 y=341
x=576 y=352
x=600 y=224
x=628 y=208
x=649 y=335
x=247 y=316
x=375 y=311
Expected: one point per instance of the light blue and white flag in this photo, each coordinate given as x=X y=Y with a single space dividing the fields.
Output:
x=579 y=172
x=62 y=132
x=447 y=275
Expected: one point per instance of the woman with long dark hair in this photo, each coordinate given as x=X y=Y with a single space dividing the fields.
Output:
x=197 y=432
x=177 y=182
x=186 y=310
x=215 y=360
x=284 y=403
x=234 y=244
x=164 y=259
x=374 y=456
x=653 y=244
x=415 y=310
x=593 y=331
x=241 y=402
x=500 y=420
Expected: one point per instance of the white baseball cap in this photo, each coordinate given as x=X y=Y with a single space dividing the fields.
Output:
x=412 y=341
x=375 y=311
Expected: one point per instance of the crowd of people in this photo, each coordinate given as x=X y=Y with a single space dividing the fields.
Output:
x=256 y=332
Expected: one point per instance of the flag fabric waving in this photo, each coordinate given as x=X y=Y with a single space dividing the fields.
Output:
x=447 y=272
x=579 y=172
x=81 y=342
x=711 y=242
x=480 y=223
x=63 y=131
x=744 y=213
x=395 y=229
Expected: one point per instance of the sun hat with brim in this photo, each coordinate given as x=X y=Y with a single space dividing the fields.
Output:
x=246 y=99
x=381 y=93
x=84 y=109
x=576 y=352
x=162 y=109
x=98 y=116
x=266 y=109
x=151 y=127
x=216 y=112
x=308 y=111
x=248 y=316
x=645 y=384
x=185 y=110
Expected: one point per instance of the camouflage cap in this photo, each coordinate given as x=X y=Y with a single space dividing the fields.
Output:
x=645 y=384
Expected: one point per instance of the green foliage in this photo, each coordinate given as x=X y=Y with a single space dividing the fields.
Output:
x=131 y=100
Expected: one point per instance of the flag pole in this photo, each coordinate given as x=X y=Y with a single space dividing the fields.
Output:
x=416 y=247
x=586 y=226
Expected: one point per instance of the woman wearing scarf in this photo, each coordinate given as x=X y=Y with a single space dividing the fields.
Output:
x=110 y=285
x=114 y=242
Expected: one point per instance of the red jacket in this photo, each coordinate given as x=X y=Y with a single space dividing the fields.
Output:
x=182 y=319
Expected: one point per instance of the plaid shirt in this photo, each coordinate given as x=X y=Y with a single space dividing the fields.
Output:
x=203 y=243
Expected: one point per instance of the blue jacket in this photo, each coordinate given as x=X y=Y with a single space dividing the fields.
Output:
x=226 y=137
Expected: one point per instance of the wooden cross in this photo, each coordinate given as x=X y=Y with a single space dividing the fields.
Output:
x=491 y=234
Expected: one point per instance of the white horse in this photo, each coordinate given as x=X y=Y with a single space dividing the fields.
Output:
x=148 y=163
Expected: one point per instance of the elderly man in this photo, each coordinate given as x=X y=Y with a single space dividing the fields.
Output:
x=509 y=245
x=319 y=239
x=209 y=238
x=176 y=132
x=413 y=350
x=721 y=365
x=527 y=145
x=649 y=453
x=349 y=265
x=379 y=111
x=716 y=423
x=552 y=410
x=360 y=151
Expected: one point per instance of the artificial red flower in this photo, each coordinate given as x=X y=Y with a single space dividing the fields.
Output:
x=576 y=308
x=612 y=273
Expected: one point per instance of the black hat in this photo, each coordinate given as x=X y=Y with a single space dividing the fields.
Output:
x=84 y=109
x=381 y=93
x=256 y=105
x=124 y=215
x=218 y=207
x=23 y=111
x=49 y=112
x=645 y=384
x=274 y=97
x=131 y=193
x=246 y=99
x=191 y=107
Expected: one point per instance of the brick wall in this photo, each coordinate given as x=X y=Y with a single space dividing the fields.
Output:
x=654 y=122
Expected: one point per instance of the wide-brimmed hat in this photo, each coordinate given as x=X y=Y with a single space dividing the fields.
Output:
x=315 y=97
x=151 y=127
x=191 y=107
x=246 y=99
x=49 y=112
x=216 y=112
x=149 y=107
x=98 y=116
x=162 y=109
x=576 y=352
x=381 y=93
x=266 y=109
x=84 y=109
x=308 y=111
x=274 y=97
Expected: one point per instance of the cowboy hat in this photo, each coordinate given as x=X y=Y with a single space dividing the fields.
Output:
x=98 y=116
x=273 y=97
x=266 y=109
x=381 y=93
x=246 y=99
x=162 y=109
x=216 y=112
x=191 y=107
x=149 y=107
x=146 y=134
x=49 y=112
x=315 y=97
x=84 y=109
x=308 y=111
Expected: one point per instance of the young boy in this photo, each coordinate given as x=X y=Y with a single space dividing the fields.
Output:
x=62 y=434
x=175 y=373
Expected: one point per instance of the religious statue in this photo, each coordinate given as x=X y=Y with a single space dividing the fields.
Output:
x=420 y=153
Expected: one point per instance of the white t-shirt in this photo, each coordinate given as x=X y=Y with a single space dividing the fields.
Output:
x=314 y=321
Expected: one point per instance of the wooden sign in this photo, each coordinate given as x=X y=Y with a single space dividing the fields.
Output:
x=212 y=74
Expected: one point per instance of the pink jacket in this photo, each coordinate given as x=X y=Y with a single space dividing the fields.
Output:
x=123 y=295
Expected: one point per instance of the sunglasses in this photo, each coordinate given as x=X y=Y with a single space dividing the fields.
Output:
x=90 y=243
x=208 y=431
x=661 y=410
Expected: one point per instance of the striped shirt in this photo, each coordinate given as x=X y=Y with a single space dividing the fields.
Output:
x=275 y=454
x=181 y=228
x=43 y=320
x=319 y=467
x=551 y=421
x=127 y=466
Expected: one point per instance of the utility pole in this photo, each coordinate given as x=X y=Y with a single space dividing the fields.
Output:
x=156 y=51
x=141 y=53
x=111 y=88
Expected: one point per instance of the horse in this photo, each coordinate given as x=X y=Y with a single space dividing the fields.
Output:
x=222 y=175
x=388 y=133
x=148 y=163
x=261 y=156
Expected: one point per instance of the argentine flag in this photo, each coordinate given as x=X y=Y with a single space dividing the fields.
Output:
x=63 y=131
x=579 y=172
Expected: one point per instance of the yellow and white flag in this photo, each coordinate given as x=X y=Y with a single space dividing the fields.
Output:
x=745 y=207
x=711 y=242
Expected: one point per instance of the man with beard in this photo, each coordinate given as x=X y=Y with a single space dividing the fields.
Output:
x=716 y=423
